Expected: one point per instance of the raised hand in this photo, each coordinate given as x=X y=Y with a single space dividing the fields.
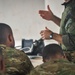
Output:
x=48 y=15
x=45 y=34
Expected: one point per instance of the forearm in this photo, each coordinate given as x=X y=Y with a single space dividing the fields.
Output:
x=68 y=40
x=57 y=37
x=56 y=20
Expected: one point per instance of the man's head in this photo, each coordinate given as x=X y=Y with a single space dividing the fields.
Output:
x=52 y=51
x=6 y=35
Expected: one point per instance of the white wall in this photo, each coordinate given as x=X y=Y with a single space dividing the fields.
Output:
x=23 y=17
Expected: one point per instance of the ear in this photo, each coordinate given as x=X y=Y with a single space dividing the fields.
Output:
x=10 y=37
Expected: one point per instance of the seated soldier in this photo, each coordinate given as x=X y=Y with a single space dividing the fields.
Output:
x=55 y=62
x=16 y=61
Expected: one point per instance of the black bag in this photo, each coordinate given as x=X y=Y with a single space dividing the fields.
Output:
x=38 y=46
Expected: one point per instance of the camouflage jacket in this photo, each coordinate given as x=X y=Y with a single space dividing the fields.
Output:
x=67 y=26
x=54 y=67
x=16 y=61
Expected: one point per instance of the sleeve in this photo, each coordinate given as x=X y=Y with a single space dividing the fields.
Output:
x=55 y=69
x=26 y=65
x=69 y=38
x=39 y=71
x=47 y=68
x=20 y=64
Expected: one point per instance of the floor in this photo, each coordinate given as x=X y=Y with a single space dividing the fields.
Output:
x=36 y=60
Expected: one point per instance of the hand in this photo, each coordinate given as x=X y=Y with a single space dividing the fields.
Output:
x=48 y=15
x=45 y=34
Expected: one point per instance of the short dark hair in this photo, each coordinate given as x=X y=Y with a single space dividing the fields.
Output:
x=4 y=29
x=51 y=50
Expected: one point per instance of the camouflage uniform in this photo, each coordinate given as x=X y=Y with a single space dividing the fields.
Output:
x=16 y=61
x=55 y=67
x=67 y=29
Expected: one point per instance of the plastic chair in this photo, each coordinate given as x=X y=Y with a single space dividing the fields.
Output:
x=27 y=45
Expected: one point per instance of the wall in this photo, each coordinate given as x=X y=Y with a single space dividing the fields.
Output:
x=23 y=17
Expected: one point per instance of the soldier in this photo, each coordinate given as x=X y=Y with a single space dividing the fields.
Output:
x=16 y=61
x=66 y=38
x=55 y=62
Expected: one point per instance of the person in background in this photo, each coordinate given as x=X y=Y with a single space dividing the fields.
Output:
x=55 y=62
x=66 y=37
x=51 y=52
x=16 y=61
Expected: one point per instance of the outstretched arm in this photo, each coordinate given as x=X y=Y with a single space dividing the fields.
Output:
x=48 y=15
x=45 y=34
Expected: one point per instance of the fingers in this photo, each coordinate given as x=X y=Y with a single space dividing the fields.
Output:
x=48 y=8
x=41 y=31
x=41 y=11
x=43 y=34
x=46 y=28
x=46 y=14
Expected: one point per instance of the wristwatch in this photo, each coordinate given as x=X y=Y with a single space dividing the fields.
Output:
x=51 y=35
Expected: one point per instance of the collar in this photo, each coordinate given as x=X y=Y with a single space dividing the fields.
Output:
x=58 y=60
x=66 y=3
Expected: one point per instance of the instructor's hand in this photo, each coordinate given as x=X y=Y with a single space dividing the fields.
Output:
x=48 y=15
x=45 y=34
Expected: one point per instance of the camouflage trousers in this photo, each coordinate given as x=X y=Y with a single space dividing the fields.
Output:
x=70 y=55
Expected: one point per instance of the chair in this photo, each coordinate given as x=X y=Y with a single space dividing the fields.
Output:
x=27 y=45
